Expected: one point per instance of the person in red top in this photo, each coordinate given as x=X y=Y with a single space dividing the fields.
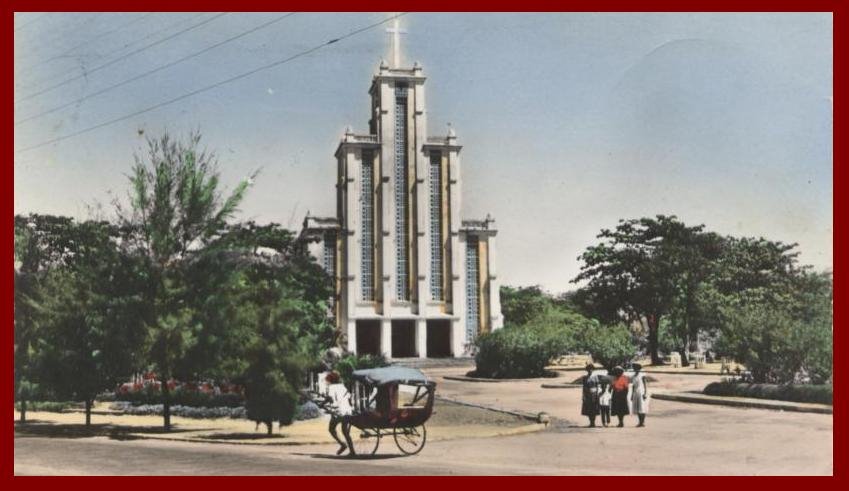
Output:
x=619 y=400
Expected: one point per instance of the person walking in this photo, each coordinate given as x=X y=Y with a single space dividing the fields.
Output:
x=589 y=399
x=619 y=397
x=639 y=394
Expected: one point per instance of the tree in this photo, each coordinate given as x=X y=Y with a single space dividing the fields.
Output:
x=41 y=245
x=636 y=273
x=177 y=209
x=94 y=332
x=520 y=305
x=783 y=332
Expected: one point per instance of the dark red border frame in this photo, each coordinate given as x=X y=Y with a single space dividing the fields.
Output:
x=413 y=484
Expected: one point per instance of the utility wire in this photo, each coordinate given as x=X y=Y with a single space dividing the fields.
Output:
x=136 y=18
x=213 y=86
x=155 y=70
x=125 y=46
x=116 y=60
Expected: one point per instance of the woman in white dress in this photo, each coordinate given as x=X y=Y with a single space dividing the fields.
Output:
x=639 y=394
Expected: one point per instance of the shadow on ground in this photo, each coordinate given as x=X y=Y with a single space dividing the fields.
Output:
x=351 y=457
x=241 y=436
x=36 y=428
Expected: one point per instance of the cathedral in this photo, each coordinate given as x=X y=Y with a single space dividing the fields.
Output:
x=413 y=278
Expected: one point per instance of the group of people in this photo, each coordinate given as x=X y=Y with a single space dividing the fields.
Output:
x=607 y=395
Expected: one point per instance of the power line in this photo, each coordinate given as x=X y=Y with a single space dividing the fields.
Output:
x=127 y=45
x=155 y=70
x=110 y=63
x=136 y=18
x=210 y=87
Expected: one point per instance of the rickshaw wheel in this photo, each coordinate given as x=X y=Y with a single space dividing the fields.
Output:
x=410 y=439
x=365 y=440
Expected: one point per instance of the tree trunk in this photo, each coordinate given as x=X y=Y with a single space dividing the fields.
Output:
x=23 y=410
x=685 y=359
x=88 y=412
x=654 y=323
x=270 y=426
x=166 y=407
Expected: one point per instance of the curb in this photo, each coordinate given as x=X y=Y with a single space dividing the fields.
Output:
x=514 y=412
x=561 y=386
x=682 y=372
x=466 y=378
x=743 y=402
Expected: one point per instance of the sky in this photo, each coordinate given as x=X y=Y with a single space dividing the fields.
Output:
x=569 y=122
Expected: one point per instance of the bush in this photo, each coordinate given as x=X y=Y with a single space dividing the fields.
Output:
x=47 y=406
x=520 y=352
x=348 y=363
x=181 y=397
x=821 y=394
x=609 y=346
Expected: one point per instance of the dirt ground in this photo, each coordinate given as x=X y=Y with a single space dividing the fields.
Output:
x=449 y=421
x=680 y=438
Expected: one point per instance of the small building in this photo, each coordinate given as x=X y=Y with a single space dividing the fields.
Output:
x=413 y=279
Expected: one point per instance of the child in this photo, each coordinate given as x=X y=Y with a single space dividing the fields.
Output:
x=604 y=402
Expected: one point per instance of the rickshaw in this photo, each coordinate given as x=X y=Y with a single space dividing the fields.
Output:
x=390 y=402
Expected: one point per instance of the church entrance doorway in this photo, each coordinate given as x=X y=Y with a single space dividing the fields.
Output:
x=368 y=337
x=403 y=339
x=438 y=338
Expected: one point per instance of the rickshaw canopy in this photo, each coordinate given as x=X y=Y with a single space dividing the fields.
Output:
x=391 y=375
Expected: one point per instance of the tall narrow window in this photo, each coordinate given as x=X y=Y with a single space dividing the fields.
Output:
x=367 y=225
x=329 y=259
x=472 y=310
x=329 y=255
x=401 y=198
x=436 y=226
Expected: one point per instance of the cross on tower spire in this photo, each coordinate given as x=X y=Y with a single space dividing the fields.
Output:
x=396 y=32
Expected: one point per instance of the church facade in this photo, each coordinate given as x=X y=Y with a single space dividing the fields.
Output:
x=412 y=277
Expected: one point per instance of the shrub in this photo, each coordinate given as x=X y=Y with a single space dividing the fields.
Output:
x=182 y=397
x=821 y=394
x=348 y=363
x=519 y=352
x=609 y=346
x=47 y=406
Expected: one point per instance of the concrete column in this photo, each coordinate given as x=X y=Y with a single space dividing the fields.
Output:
x=421 y=338
x=458 y=337
x=496 y=319
x=386 y=337
x=352 y=336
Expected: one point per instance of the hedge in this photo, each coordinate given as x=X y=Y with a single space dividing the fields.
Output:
x=48 y=406
x=518 y=352
x=821 y=394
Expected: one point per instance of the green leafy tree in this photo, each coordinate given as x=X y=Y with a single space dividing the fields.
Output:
x=94 y=333
x=42 y=244
x=260 y=301
x=176 y=210
x=640 y=272
x=520 y=305
x=782 y=332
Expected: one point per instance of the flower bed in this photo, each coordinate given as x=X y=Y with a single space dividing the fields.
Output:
x=305 y=411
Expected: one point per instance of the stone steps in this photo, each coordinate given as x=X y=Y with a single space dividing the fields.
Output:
x=434 y=362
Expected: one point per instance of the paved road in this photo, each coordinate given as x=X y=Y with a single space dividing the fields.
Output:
x=680 y=439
